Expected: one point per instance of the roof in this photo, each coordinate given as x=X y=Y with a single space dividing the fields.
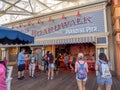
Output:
x=14 y=10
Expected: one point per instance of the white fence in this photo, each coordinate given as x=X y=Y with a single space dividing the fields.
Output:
x=9 y=78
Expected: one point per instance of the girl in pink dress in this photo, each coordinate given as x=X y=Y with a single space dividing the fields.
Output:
x=2 y=76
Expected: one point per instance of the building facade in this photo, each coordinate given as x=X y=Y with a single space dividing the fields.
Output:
x=86 y=29
x=116 y=27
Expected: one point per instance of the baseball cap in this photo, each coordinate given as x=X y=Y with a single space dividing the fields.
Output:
x=80 y=55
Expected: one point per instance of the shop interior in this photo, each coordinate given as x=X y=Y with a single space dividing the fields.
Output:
x=88 y=50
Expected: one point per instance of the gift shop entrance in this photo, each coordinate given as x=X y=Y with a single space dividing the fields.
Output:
x=71 y=52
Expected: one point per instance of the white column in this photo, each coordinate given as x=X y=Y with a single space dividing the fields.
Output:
x=3 y=52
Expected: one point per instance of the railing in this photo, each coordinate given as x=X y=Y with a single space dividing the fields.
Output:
x=9 y=78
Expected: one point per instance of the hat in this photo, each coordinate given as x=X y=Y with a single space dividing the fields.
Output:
x=80 y=55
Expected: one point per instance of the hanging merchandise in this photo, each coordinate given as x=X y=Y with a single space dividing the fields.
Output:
x=20 y=25
x=29 y=23
x=39 y=21
x=12 y=27
x=63 y=17
x=78 y=14
x=49 y=20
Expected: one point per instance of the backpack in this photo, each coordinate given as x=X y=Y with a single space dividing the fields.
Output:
x=105 y=72
x=81 y=73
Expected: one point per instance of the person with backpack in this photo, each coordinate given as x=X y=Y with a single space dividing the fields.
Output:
x=46 y=57
x=50 y=66
x=32 y=64
x=81 y=69
x=104 y=77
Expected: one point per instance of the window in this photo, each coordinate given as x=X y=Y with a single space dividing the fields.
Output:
x=101 y=40
x=102 y=50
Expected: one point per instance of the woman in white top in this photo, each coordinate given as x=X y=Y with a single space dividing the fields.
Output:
x=81 y=69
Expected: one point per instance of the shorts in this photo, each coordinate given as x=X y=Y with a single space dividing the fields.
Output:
x=51 y=65
x=32 y=66
x=102 y=81
x=21 y=67
x=80 y=79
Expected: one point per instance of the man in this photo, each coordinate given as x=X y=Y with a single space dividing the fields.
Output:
x=21 y=64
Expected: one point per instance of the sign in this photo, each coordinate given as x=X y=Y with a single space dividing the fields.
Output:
x=90 y=22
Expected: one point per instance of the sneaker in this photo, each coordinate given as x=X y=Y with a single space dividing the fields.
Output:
x=33 y=77
x=19 y=78
x=51 y=78
x=48 y=78
x=22 y=77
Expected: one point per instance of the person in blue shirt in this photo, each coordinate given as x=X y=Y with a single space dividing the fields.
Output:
x=21 y=64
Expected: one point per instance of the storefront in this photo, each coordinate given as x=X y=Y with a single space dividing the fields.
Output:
x=86 y=33
x=82 y=29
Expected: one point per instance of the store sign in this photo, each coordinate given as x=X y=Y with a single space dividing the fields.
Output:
x=82 y=30
x=91 y=22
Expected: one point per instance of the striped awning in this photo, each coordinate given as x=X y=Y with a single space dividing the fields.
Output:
x=66 y=40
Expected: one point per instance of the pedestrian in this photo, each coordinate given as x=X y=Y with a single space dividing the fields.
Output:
x=81 y=69
x=39 y=57
x=21 y=64
x=46 y=57
x=33 y=59
x=57 y=62
x=104 y=77
x=3 y=75
x=72 y=63
x=66 y=59
x=50 y=66
x=5 y=61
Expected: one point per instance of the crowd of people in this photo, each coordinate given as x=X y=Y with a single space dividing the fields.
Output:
x=103 y=68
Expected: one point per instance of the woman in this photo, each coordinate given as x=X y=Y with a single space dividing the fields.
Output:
x=50 y=66
x=46 y=61
x=104 y=76
x=32 y=65
x=3 y=85
x=81 y=69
